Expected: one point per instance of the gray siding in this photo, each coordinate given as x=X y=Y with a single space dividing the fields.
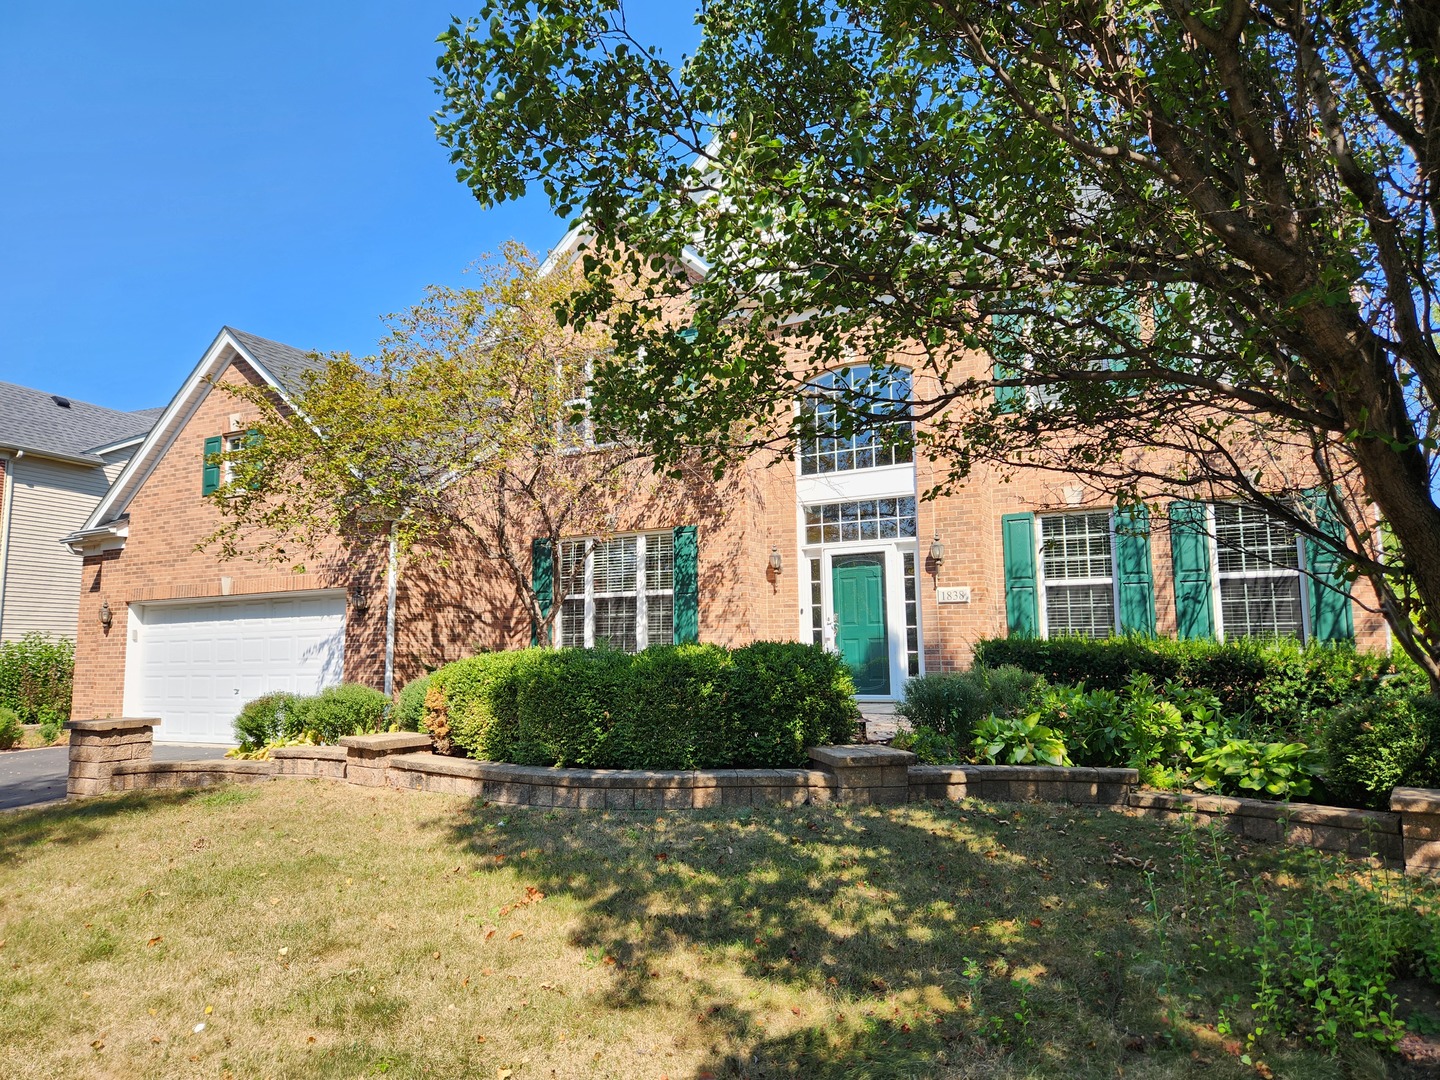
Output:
x=49 y=500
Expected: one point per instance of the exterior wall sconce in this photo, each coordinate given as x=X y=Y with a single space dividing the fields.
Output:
x=359 y=599
x=107 y=617
x=777 y=563
x=937 y=550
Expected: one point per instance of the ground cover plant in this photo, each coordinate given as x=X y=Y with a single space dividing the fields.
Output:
x=668 y=707
x=325 y=930
x=1267 y=719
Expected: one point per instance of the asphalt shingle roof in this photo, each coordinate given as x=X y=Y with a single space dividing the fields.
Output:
x=286 y=363
x=33 y=420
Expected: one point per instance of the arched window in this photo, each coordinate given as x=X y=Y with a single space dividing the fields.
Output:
x=833 y=439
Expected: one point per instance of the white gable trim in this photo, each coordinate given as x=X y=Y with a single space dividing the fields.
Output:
x=223 y=352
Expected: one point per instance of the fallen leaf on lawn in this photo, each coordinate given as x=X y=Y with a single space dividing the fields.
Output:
x=154 y=1012
x=98 y=1044
x=795 y=1009
x=284 y=950
x=479 y=1038
x=489 y=932
x=517 y=934
x=503 y=1073
x=661 y=857
x=1036 y=923
x=209 y=1009
x=310 y=1038
x=437 y=954
x=156 y=1039
x=487 y=971
x=155 y=940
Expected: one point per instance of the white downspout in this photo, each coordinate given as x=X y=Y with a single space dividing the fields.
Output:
x=5 y=499
x=390 y=591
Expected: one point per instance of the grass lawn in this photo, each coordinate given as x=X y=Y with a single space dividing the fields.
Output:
x=320 y=929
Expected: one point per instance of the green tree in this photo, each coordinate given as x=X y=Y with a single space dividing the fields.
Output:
x=461 y=434
x=1208 y=231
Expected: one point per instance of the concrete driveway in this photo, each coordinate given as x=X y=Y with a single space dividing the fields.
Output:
x=28 y=777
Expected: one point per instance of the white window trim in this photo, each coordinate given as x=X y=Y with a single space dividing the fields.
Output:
x=798 y=406
x=1042 y=583
x=642 y=594
x=1217 y=606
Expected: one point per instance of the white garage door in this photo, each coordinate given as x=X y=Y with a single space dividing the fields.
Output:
x=198 y=663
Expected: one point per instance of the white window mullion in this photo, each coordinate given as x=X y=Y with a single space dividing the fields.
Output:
x=642 y=622
x=589 y=594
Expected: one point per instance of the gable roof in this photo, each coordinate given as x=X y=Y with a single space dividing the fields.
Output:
x=34 y=421
x=281 y=366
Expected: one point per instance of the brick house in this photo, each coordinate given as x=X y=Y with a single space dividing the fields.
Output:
x=831 y=544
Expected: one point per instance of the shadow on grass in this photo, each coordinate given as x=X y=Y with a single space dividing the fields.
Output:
x=80 y=820
x=994 y=938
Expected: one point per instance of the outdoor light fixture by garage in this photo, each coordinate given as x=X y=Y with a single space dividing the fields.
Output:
x=776 y=562
x=107 y=617
x=359 y=600
x=937 y=550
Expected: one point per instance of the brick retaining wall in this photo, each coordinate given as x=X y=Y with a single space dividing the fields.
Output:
x=115 y=755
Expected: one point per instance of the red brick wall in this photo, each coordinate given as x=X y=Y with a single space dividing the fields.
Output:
x=455 y=602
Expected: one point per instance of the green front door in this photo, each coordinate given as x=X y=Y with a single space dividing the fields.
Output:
x=859 y=594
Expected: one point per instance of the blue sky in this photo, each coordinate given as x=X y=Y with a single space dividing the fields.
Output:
x=172 y=167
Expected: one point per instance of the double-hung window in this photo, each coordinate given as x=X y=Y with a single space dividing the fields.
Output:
x=834 y=442
x=1078 y=573
x=232 y=444
x=619 y=591
x=1257 y=562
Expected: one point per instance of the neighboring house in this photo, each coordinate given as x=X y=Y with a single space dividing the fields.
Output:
x=58 y=457
x=833 y=545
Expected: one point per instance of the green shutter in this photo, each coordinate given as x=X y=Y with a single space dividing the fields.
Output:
x=1022 y=608
x=687 y=584
x=542 y=579
x=1190 y=558
x=1331 y=617
x=210 y=466
x=1008 y=399
x=1136 y=584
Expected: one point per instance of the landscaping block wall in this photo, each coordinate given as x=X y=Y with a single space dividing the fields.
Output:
x=115 y=755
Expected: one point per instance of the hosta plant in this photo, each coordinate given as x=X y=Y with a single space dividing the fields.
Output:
x=1020 y=740
x=1240 y=766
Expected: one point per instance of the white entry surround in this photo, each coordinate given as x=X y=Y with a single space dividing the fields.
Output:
x=817 y=612
x=195 y=663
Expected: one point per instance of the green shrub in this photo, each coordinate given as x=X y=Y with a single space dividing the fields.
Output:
x=785 y=696
x=347 y=709
x=1388 y=738
x=9 y=728
x=410 y=707
x=930 y=747
x=1019 y=740
x=266 y=719
x=36 y=675
x=1140 y=727
x=669 y=707
x=1243 y=767
x=1269 y=689
x=953 y=704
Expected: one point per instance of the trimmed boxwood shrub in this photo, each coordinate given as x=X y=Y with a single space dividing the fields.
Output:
x=264 y=720
x=669 y=707
x=347 y=709
x=1388 y=738
x=410 y=706
x=1275 y=688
